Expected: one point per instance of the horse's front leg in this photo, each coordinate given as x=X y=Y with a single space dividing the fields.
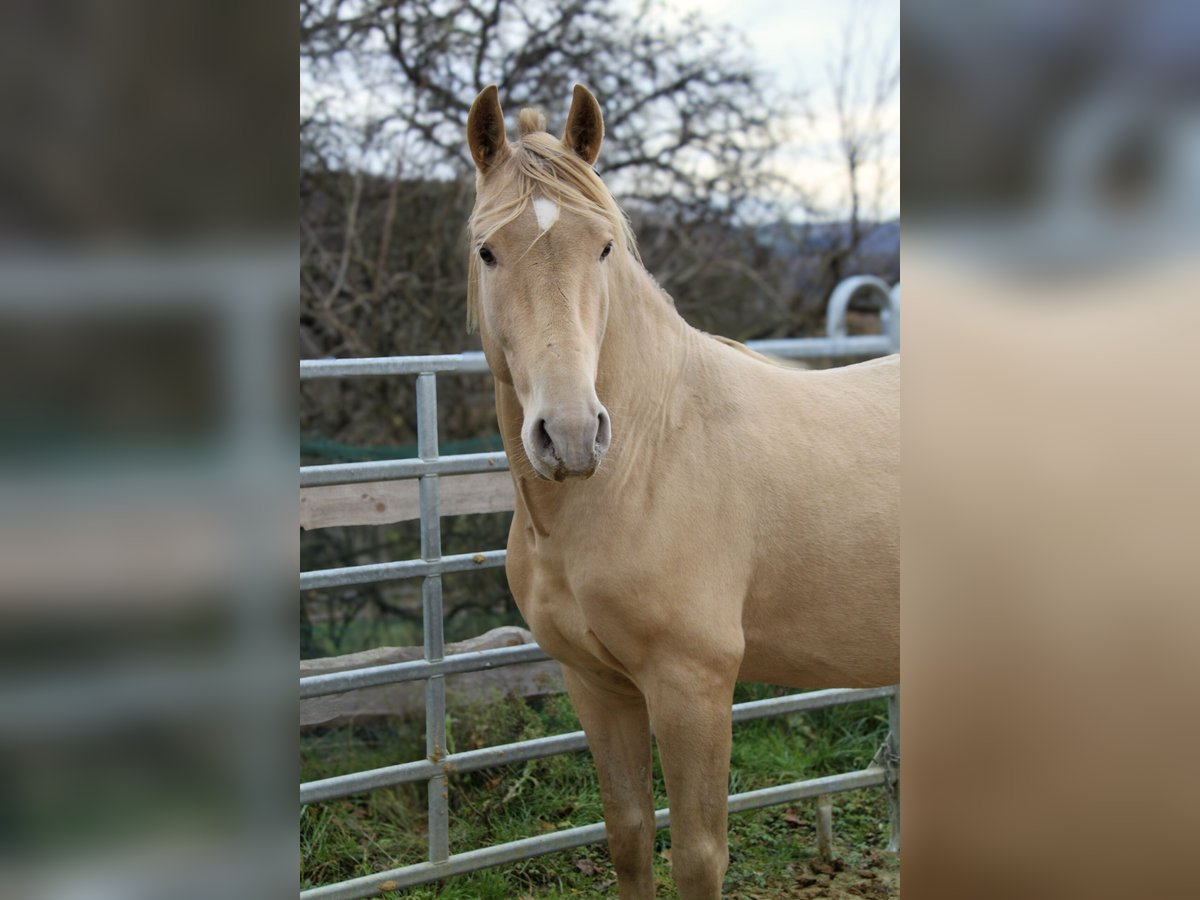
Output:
x=690 y=699
x=618 y=732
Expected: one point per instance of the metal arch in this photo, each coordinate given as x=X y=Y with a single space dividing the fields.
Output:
x=886 y=298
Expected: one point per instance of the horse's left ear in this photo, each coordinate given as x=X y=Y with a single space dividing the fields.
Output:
x=585 y=126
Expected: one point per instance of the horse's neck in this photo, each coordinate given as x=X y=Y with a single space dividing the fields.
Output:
x=647 y=352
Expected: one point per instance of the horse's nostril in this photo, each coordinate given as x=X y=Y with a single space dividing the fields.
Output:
x=541 y=438
x=603 y=432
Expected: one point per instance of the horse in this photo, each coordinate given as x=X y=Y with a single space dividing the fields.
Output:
x=688 y=513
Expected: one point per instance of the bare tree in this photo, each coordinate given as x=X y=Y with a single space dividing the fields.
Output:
x=685 y=114
x=862 y=80
x=832 y=240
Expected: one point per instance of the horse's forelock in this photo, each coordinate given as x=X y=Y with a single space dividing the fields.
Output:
x=531 y=121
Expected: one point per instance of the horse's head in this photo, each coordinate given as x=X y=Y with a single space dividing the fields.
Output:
x=546 y=238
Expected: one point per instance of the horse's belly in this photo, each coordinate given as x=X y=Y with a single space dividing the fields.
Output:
x=812 y=638
x=769 y=663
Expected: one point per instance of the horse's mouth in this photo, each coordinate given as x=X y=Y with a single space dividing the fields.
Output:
x=561 y=473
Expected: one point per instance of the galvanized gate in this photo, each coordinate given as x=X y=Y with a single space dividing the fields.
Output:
x=438 y=765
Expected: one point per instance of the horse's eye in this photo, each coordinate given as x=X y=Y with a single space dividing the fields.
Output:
x=485 y=253
x=607 y=250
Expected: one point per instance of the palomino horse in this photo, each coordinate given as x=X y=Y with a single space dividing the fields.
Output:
x=688 y=513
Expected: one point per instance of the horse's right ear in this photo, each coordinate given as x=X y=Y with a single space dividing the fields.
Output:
x=485 y=130
x=585 y=126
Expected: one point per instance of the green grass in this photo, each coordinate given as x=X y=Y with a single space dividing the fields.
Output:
x=368 y=833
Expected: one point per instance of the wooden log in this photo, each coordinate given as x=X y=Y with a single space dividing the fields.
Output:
x=407 y=699
x=386 y=502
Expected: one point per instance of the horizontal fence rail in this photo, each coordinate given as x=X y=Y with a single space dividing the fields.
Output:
x=830 y=346
x=384 y=469
x=538 y=748
x=435 y=666
x=408 y=568
x=392 y=365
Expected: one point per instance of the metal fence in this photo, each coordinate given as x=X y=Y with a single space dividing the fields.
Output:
x=438 y=765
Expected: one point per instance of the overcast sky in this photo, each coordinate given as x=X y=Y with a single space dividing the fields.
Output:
x=796 y=41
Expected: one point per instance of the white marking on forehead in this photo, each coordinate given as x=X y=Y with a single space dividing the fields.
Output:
x=546 y=211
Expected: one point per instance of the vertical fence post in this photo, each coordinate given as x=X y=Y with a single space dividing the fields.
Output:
x=891 y=323
x=893 y=768
x=431 y=602
x=825 y=827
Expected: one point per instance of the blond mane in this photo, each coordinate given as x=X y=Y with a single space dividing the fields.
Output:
x=761 y=357
x=539 y=164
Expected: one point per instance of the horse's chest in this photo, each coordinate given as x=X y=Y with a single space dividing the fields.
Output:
x=557 y=620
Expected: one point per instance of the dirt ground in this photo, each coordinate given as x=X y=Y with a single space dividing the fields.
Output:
x=875 y=877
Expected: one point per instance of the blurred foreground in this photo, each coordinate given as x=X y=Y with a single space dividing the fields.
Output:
x=1052 y=205
x=147 y=461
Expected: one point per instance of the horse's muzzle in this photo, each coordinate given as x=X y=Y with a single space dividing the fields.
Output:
x=564 y=445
